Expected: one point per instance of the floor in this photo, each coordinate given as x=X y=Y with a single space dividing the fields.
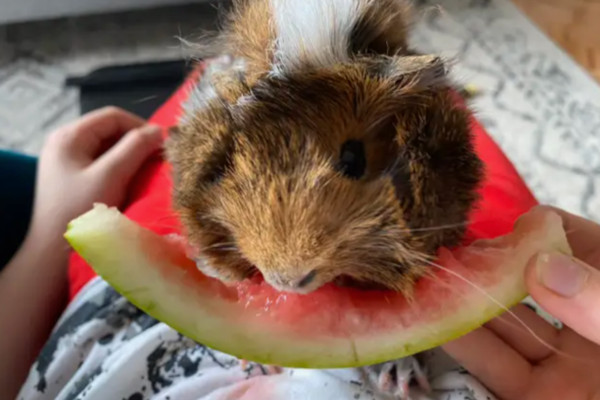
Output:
x=572 y=24
x=37 y=58
x=536 y=102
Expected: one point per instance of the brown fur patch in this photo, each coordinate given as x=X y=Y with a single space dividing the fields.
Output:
x=383 y=29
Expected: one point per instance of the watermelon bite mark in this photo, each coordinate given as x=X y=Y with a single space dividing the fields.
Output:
x=329 y=328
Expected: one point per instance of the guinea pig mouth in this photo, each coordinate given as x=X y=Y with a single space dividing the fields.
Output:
x=250 y=272
x=348 y=281
x=236 y=272
x=304 y=286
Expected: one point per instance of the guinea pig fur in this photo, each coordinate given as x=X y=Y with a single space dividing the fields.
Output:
x=324 y=149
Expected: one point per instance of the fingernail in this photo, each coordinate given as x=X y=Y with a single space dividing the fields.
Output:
x=562 y=274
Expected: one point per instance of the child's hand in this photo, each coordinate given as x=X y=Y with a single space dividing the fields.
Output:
x=91 y=160
x=512 y=362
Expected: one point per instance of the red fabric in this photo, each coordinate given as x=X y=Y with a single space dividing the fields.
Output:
x=504 y=194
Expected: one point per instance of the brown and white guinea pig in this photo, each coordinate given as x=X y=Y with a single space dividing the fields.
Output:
x=326 y=150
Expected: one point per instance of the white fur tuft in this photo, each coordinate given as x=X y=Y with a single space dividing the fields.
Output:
x=316 y=32
x=204 y=93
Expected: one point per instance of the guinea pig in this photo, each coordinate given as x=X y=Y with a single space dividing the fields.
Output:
x=323 y=149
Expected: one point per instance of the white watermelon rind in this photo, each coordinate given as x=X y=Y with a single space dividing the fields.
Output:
x=110 y=243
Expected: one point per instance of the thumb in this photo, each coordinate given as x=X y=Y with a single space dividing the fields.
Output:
x=568 y=289
x=126 y=157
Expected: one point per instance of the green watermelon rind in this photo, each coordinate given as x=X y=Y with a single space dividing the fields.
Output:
x=216 y=323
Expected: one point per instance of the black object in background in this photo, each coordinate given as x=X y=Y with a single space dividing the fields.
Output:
x=139 y=88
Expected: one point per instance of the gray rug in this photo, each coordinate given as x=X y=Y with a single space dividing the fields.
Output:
x=541 y=107
x=36 y=58
x=536 y=102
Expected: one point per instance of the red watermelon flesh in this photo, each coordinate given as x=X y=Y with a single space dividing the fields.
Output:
x=329 y=328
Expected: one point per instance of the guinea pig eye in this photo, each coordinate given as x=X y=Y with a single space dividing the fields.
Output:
x=353 y=161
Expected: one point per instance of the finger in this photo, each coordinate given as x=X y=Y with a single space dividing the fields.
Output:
x=493 y=362
x=89 y=132
x=583 y=235
x=126 y=157
x=535 y=341
x=569 y=290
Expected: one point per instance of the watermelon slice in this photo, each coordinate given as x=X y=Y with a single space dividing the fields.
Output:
x=332 y=327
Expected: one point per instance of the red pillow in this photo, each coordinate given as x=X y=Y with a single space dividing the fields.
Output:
x=504 y=195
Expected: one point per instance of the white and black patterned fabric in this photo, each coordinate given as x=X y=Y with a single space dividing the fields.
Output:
x=104 y=348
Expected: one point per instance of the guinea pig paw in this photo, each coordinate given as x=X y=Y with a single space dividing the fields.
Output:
x=395 y=378
x=179 y=240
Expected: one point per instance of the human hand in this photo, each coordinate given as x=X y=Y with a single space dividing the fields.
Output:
x=90 y=160
x=557 y=364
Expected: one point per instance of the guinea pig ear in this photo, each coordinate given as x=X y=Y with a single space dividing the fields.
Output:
x=420 y=71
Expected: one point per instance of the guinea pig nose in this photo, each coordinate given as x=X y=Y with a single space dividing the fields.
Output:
x=308 y=278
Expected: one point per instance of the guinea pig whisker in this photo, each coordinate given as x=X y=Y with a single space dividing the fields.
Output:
x=393 y=168
x=229 y=249
x=164 y=225
x=433 y=228
x=491 y=298
x=220 y=247
x=221 y=244
x=439 y=227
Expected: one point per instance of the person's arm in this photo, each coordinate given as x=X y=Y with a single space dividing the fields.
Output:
x=91 y=160
x=33 y=292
